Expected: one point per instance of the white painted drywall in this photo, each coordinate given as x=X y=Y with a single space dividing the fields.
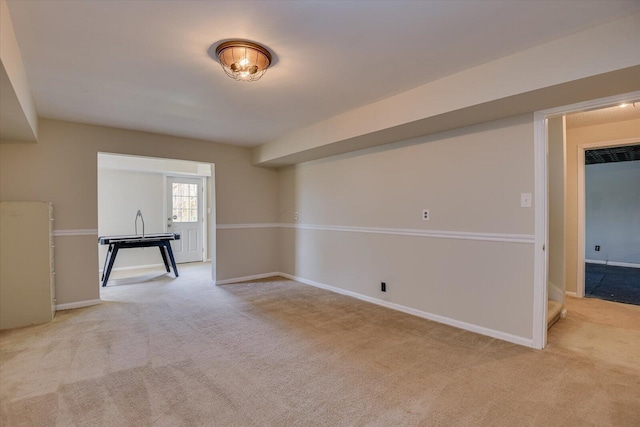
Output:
x=470 y=179
x=152 y=164
x=612 y=208
x=120 y=195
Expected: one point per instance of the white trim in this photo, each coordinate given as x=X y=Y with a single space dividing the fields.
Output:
x=134 y=267
x=623 y=264
x=205 y=219
x=571 y=294
x=460 y=235
x=78 y=232
x=541 y=213
x=613 y=263
x=430 y=316
x=241 y=226
x=211 y=222
x=78 y=304
x=247 y=278
x=184 y=174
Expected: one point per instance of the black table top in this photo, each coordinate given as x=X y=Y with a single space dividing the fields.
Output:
x=106 y=240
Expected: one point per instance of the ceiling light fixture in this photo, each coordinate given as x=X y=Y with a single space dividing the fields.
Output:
x=243 y=60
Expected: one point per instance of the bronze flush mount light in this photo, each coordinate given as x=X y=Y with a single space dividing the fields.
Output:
x=243 y=60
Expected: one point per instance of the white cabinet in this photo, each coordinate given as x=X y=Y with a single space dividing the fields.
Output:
x=27 y=286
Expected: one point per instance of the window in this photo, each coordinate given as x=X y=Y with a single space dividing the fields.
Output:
x=185 y=202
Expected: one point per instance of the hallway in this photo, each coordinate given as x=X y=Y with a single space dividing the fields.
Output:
x=611 y=283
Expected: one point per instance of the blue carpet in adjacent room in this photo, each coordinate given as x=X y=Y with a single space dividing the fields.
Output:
x=619 y=284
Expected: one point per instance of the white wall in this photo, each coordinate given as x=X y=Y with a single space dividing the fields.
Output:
x=613 y=212
x=470 y=179
x=120 y=195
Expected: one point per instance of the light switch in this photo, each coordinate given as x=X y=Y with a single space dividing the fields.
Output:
x=525 y=200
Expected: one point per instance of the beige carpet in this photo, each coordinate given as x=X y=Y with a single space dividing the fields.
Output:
x=182 y=352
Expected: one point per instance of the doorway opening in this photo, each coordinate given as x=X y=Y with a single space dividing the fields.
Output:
x=566 y=226
x=156 y=203
x=608 y=211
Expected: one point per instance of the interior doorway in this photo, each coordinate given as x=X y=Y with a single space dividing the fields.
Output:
x=136 y=199
x=608 y=212
x=573 y=260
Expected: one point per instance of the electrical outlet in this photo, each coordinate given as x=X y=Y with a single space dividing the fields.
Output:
x=295 y=216
x=597 y=248
x=425 y=215
x=383 y=286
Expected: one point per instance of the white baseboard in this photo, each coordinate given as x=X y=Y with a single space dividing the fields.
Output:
x=134 y=267
x=613 y=263
x=246 y=278
x=623 y=264
x=554 y=292
x=571 y=294
x=78 y=304
x=528 y=342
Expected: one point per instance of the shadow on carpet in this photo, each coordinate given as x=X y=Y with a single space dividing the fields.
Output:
x=607 y=282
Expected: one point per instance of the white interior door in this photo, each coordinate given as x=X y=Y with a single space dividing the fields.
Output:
x=185 y=217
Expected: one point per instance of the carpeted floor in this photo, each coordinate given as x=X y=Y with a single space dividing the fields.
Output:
x=612 y=283
x=182 y=352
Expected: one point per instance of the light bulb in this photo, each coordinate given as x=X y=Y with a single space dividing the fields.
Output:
x=624 y=104
x=243 y=62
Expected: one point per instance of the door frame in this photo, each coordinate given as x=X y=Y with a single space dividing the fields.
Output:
x=541 y=258
x=582 y=211
x=205 y=204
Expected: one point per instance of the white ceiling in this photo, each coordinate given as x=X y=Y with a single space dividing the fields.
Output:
x=144 y=65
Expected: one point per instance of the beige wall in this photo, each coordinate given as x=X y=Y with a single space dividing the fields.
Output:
x=575 y=137
x=556 y=196
x=16 y=102
x=62 y=168
x=470 y=179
